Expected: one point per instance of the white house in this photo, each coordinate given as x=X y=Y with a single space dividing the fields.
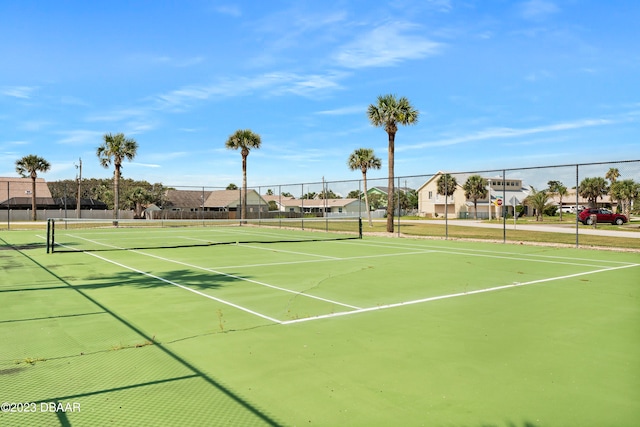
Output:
x=500 y=193
x=318 y=206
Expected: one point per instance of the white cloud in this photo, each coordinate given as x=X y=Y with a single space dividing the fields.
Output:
x=34 y=125
x=229 y=9
x=538 y=9
x=22 y=92
x=275 y=83
x=81 y=137
x=354 y=109
x=386 y=45
x=498 y=133
x=145 y=165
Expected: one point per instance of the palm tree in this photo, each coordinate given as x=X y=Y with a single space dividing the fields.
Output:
x=30 y=166
x=475 y=188
x=592 y=188
x=244 y=140
x=364 y=159
x=446 y=187
x=612 y=174
x=626 y=191
x=538 y=201
x=388 y=113
x=116 y=148
x=556 y=187
x=139 y=197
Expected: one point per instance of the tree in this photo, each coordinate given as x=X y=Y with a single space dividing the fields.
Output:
x=593 y=188
x=388 y=112
x=355 y=194
x=556 y=187
x=538 y=201
x=364 y=159
x=626 y=191
x=244 y=140
x=446 y=187
x=116 y=148
x=328 y=194
x=139 y=197
x=406 y=200
x=612 y=175
x=475 y=188
x=377 y=201
x=29 y=166
x=232 y=186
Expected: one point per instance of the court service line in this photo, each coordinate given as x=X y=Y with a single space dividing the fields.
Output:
x=186 y=288
x=315 y=260
x=197 y=267
x=465 y=250
x=233 y=276
x=459 y=294
x=515 y=257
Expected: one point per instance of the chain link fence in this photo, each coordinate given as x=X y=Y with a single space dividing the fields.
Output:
x=577 y=204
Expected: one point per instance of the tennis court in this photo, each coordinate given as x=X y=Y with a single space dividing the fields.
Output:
x=277 y=326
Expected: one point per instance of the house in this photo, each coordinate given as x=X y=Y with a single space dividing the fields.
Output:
x=569 y=200
x=383 y=191
x=16 y=193
x=317 y=206
x=213 y=201
x=501 y=192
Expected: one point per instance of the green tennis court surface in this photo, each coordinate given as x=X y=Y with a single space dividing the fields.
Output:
x=370 y=332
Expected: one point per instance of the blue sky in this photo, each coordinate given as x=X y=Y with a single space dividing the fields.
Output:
x=498 y=84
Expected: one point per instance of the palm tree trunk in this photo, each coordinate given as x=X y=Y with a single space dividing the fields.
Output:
x=33 y=198
x=116 y=193
x=366 y=198
x=560 y=208
x=392 y=137
x=243 y=211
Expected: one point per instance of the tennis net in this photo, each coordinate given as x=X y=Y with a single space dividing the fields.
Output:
x=71 y=235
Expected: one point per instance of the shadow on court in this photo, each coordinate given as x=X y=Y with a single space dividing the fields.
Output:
x=233 y=403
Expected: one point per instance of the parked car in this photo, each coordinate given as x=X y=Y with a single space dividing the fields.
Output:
x=571 y=209
x=602 y=215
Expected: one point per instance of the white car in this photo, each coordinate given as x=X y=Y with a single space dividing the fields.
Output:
x=571 y=209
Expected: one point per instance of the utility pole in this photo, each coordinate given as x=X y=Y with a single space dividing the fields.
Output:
x=79 y=181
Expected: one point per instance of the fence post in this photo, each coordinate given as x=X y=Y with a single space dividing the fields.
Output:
x=577 y=191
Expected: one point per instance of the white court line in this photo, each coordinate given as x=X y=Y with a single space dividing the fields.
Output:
x=460 y=294
x=197 y=267
x=233 y=276
x=355 y=310
x=267 y=264
x=186 y=288
x=407 y=245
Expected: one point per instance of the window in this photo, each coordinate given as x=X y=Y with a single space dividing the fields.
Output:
x=430 y=195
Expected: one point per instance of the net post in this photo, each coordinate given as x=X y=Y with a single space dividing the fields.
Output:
x=359 y=227
x=51 y=232
x=48 y=232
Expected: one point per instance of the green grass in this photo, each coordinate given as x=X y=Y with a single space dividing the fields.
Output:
x=437 y=228
x=115 y=333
